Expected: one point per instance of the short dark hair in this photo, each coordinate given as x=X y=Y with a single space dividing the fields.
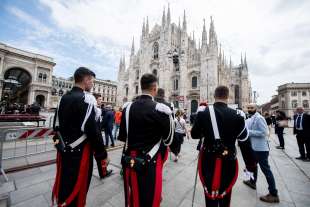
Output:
x=221 y=92
x=147 y=81
x=82 y=72
x=161 y=92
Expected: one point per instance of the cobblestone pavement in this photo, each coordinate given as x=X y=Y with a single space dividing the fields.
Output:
x=33 y=186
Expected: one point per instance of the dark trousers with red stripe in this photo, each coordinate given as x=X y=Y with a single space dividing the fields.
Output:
x=224 y=202
x=70 y=169
x=143 y=189
x=225 y=177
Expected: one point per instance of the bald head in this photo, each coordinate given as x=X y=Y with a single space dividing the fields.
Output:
x=252 y=107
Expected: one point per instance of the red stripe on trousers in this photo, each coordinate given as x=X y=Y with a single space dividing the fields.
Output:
x=217 y=175
x=158 y=181
x=80 y=188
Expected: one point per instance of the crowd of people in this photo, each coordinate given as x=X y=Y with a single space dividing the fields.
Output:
x=149 y=127
x=15 y=108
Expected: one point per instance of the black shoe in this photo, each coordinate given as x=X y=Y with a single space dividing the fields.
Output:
x=279 y=147
x=112 y=145
x=306 y=160
x=109 y=173
x=300 y=158
x=250 y=184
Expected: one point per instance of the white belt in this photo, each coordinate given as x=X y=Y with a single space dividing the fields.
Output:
x=78 y=141
x=154 y=150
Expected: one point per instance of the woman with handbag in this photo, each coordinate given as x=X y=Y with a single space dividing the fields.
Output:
x=281 y=122
x=179 y=134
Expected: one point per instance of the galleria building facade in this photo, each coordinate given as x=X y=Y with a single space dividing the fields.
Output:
x=26 y=77
x=187 y=71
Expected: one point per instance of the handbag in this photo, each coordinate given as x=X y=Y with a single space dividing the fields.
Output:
x=283 y=123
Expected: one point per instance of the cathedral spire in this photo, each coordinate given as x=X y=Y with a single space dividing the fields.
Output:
x=204 y=34
x=179 y=22
x=121 y=63
x=133 y=47
x=230 y=63
x=184 y=22
x=124 y=62
x=143 y=28
x=163 y=19
x=147 y=26
x=212 y=34
x=168 y=15
x=245 y=63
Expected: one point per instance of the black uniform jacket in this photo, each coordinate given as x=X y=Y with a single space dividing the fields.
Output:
x=72 y=111
x=305 y=132
x=231 y=126
x=147 y=125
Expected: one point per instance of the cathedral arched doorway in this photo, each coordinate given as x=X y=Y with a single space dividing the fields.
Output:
x=194 y=106
x=40 y=99
x=16 y=86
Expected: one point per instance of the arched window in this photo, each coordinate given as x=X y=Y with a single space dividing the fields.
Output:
x=294 y=104
x=54 y=92
x=60 y=93
x=194 y=82
x=44 y=77
x=283 y=104
x=137 y=74
x=137 y=89
x=40 y=76
x=305 y=104
x=155 y=50
x=194 y=106
x=176 y=84
x=126 y=91
x=237 y=95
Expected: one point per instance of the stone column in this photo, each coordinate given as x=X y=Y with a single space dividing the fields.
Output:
x=1 y=67
x=48 y=100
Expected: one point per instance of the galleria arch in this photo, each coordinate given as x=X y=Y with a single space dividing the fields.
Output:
x=25 y=77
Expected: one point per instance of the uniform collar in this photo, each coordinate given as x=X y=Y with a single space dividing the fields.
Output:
x=75 y=88
x=220 y=104
x=145 y=95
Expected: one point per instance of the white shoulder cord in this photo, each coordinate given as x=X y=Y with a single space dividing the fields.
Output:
x=88 y=112
x=127 y=123
x=171 y=132
x=57 y=116
x=214 y=123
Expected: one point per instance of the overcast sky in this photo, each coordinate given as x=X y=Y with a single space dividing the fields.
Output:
x=275 y=34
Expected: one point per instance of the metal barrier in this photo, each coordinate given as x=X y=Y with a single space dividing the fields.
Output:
x=22 y=142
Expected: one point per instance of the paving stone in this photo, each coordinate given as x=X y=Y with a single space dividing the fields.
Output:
x=29 y=192
x=38 y=201
x=34 y=186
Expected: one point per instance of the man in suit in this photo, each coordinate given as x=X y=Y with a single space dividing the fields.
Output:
x=302 y=131
x=108 y=120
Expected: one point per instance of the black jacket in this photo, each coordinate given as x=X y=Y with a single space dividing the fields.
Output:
x=305 y=132
x=72 y=111
x=231 y=126
x=146 y=124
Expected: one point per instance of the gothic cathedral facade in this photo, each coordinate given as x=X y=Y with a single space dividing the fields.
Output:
x=188 y=72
